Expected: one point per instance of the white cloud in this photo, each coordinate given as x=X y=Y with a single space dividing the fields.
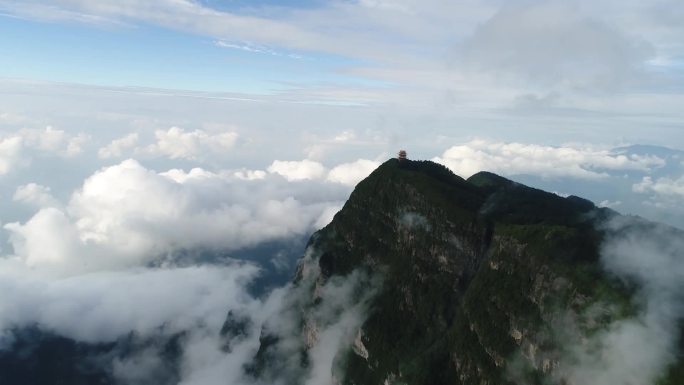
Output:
x=546 y=161
x=609 y=204
x=12 y=119
x=119 y=146
x=352 y=173
x=176 y=143
x=327 y=216
x=440 y=53
x=302 y=30
x=637 y=349
x=250 y=174
x=348 y=174
x=297 y=170
x=204 y=362
x=254 y=49
x=324 y=331
x=103 y=306
x=15 y=148
x=125 y=215
x=663 y=194
x=181 y=176
x=35 y=195
x=10 y=154
x=49 y=139
x=555 y=44
x=75 y=145
x=668 y=187
x=47 y=238
x=345 y=136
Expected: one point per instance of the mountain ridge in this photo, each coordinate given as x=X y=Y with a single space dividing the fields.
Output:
x=475 y=274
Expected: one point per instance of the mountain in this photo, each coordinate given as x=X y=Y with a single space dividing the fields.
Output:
x=625 y=189
x=422 y=278
x=427 y=278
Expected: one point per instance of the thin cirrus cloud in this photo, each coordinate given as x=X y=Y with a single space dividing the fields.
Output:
x=605 y=46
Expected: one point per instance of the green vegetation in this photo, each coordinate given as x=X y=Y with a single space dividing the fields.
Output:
x=470 y=290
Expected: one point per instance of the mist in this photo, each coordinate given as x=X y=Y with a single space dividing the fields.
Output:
x=638 y=349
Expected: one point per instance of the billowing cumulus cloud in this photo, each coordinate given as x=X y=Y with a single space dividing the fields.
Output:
x=119 y=146
x=176 y=143
x=346 y=173
x=48 y=139
x=667 y=187
x=19 y=147
x=35 y=195
x=127 y=214
x=10 y=153
x=109 y=263
x=352 y=173
x=297 y=170
x=54 y=141
x=546 y=161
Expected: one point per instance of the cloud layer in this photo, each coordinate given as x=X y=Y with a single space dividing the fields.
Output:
x=125 y=215
x=545 y=161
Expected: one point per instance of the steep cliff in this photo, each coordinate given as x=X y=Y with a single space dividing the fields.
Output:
x=478 y=281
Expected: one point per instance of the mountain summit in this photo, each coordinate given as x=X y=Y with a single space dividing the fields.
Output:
x=427 y=278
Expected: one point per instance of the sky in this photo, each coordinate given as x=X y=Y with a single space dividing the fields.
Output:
x=135 y=134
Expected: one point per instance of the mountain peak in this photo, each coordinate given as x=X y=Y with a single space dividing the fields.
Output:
x=463 y=279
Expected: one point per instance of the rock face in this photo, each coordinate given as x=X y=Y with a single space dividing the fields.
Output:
x=477 y=281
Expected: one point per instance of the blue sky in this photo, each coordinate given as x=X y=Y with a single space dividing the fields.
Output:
x=553 y=71
x=352 y=49
x=144 y=55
